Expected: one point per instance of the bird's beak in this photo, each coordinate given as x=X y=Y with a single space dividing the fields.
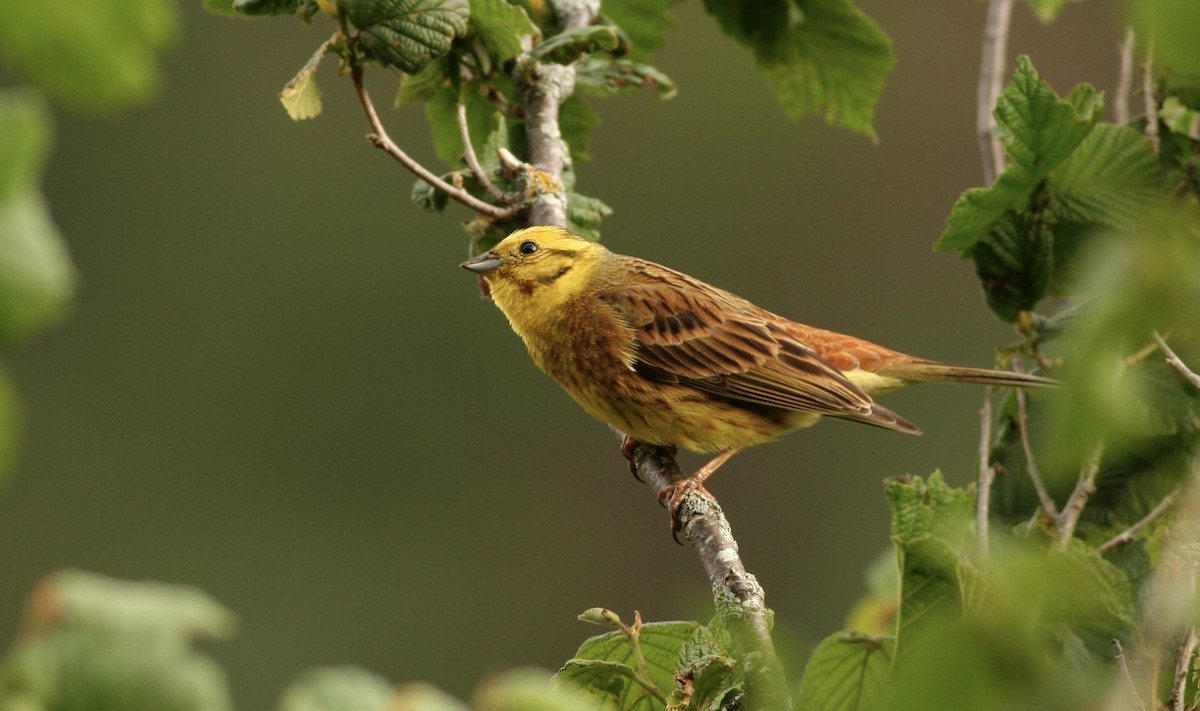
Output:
x=485 y=262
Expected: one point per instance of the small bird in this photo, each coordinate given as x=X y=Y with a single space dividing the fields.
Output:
x=670 y=360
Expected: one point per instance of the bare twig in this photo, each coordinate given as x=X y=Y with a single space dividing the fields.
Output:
x=1035 y=475
x=1125 y=80
x=991 y=81
x=1068 y=518
x=1129 y=534
x=983 y=490
x=1119 y=658
x=380 y=138
x=1183 y=663
x=1176 y=362
x=460 y=113
x=740 y=599
x=1150 y=102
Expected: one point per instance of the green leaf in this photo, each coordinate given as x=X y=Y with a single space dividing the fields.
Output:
x=930 y=530
x=482 y=121
x=660 y=643
x=530 y=690
x=105 y=645
x=406 y=34
x=1039 y=131
x=427 y=197
x=713 y=683
x=37 y=278
x=1014 y=263
x=419 y=88
x=569 y=45
x=93 y=56
x=25 y=137
x=1113 y=178
x=338 y=689
x=584 y=215
x=301 y=97
x=501 y=26
x=1047 y=11
x=605 y=76
x=643 y=22
x=820 y=56
x=93 y=599
x=576 y=121
x=1175 y=27
x=847 y=672
x=304 y=9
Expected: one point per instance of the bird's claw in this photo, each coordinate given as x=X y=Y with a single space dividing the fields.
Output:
x=629 y=447
x=672 y=497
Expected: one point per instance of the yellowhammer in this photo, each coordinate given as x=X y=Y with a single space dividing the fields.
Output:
x=670 y=360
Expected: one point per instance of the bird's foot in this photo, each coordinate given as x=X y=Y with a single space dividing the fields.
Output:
x=673 y=495
x=629 y=447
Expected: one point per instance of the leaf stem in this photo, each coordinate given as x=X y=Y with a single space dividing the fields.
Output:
x=379 y=137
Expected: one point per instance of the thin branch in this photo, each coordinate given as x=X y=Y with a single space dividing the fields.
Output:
x=983 y=491
x=380 y=138
x=1125 y=80
x=1035 y=475
x=991 y=81
x=740 y=599
x=1119 y=658
x=460 y=113
x=1177 y=363
x=1183 y=663
x=1129 y=534
x=1148 y=96
x=1068 y=518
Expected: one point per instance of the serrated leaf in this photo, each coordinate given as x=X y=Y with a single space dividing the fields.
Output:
x=584 y=215
x=820 y=56
x=407 y=34
x=339 y=689
x=603 y=680
x=605 y=76
x=301 y=97
x=1014 y=263
x=643 y=22
x=660 y=644
x=847 y=672
x=501 y=25
x=93 y=56
x=930 y=530
x=304 y=9
x=569 y=45
x=427 y=197
x=1039 y=131
x=1112 y=179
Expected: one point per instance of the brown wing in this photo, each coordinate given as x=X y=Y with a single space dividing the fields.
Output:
x=688 y=332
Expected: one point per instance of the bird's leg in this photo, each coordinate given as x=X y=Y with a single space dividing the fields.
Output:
x=672 y=495
x=629 y=447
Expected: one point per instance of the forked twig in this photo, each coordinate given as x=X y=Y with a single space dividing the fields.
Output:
x=1177 y=362
x=1129 y=534
x=460 y=114
x=1068 y=518
x=380 y=138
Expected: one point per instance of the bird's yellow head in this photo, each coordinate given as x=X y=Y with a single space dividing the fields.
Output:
x=542 y=266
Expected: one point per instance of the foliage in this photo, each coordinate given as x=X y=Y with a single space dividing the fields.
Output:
x=1029 y=604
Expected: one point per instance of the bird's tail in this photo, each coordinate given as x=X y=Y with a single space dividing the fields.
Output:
x=928 y=371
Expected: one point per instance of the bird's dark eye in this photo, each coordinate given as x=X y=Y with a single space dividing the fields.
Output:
x=528 y=247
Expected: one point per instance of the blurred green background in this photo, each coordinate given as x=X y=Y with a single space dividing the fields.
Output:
x=277 y=385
